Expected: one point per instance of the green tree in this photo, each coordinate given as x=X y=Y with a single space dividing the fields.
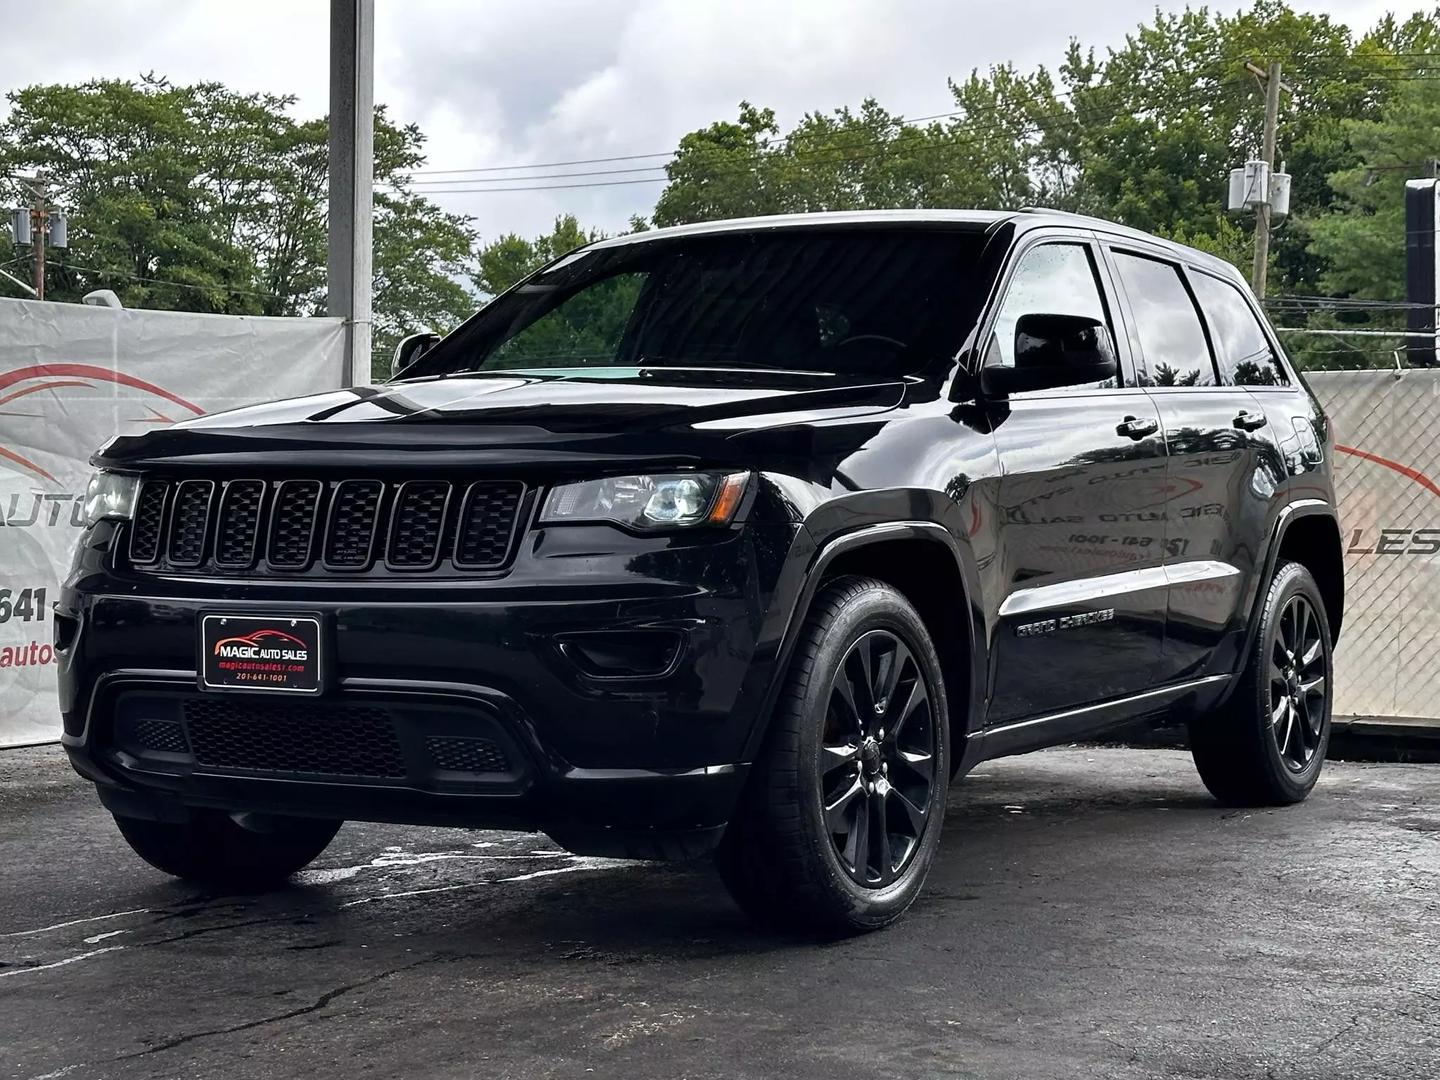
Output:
x=1360 y=238
x=505 y=260
x=585 y=328
x=197 y=198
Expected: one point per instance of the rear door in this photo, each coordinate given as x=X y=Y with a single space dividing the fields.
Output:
x=1081 y=617
x=1287 y=442
x=1218 y=482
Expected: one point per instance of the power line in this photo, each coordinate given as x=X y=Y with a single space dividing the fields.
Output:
x=164 y=281
x=543 y=164
x=1341 y=302
x=549 y=187
x=551 y=176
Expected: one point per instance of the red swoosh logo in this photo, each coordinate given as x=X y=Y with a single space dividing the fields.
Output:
x=64 y=375
x=1404 y=470
x=256 y=638
x=90 y=371
x=27 y=391
x=26 y=463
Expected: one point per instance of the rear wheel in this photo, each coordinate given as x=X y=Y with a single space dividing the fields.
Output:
x=842 y=816
x=1267 y=744
x=211 y=849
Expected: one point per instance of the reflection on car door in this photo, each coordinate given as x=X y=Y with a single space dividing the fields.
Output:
x=1082 y=520
x=1220 y=480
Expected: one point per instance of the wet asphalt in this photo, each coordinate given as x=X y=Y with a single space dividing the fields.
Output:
x=1091 y=913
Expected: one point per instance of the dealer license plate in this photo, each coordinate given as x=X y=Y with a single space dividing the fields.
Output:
x=261 y=652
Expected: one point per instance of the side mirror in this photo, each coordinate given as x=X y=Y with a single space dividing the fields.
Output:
x=410 y=349
x=1053 y=351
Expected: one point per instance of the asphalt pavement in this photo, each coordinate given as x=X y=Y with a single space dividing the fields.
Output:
x=1091 y=913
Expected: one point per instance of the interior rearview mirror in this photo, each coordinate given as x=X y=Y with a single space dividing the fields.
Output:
x=1053 y=351
x=410 y=349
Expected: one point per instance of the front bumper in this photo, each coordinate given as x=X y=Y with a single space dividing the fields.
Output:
x=615 y=764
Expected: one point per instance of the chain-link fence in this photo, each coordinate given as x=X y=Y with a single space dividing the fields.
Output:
x=1387 y=476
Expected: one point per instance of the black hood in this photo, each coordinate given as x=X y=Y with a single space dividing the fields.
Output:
x=680 y=415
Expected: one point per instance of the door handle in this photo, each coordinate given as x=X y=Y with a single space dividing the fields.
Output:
x=1250 y=420
x=1137 y=427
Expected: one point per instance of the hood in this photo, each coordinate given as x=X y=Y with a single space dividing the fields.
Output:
x=675 y=415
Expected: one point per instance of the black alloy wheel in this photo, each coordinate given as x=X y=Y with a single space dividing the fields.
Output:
x=843 y=810
x=1265 y=743
x=877 y=759
x=1298 y=684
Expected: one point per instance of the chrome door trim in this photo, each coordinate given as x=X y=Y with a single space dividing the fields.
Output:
x=1090 y=589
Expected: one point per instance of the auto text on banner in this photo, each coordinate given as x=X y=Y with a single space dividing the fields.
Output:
x=71 y=377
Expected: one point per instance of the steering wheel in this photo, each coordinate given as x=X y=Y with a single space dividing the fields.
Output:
x=860 y=339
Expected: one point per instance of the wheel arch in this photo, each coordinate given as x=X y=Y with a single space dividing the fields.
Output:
x=1313 y=540
x=928 y=566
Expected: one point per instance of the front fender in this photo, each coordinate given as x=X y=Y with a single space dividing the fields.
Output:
x=840 y=528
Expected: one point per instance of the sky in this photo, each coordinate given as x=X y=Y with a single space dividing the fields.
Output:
x=504 y=83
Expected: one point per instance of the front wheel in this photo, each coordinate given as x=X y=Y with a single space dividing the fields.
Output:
x=1265 y=746
x=210 y=848
x=842 y=816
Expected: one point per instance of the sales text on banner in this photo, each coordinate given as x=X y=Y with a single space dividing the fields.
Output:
x=1387 y=481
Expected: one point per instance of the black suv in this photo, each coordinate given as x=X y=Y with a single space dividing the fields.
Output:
x=746 y=537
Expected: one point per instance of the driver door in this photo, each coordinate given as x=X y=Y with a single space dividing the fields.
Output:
x=1082 y=507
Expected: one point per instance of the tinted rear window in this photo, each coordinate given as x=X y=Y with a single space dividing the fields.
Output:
x=1166 y=322
x=1243 y=350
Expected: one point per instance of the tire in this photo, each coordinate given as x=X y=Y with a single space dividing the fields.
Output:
x=1266 y=745
x=788 y=863
x=211 y=849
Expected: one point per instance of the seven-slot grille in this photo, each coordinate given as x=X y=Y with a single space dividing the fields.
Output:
x=340 y=526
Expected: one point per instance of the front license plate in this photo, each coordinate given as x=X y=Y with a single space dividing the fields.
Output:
x=255 y=652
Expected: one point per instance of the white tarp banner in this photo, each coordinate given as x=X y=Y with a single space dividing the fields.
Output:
x=1387 y=478
x=70 y=378
x=73 y=376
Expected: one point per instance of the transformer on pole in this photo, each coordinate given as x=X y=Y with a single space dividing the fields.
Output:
x=1256 y=186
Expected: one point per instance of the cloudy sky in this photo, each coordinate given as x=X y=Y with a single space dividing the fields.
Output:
x=503 y=83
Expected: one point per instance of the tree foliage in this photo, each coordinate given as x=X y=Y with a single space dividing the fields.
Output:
x=508 y=258
x=197 y=198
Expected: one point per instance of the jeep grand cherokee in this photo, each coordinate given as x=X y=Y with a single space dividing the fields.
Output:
x=747 y=537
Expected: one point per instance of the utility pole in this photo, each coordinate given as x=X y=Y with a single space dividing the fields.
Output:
x=352 y=169
x=39 y=228
x=1272 y=83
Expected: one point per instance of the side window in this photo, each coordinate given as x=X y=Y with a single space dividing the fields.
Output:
x=586 y=329
x=1244 y=352
x=1166 y=322
x=1050 y=279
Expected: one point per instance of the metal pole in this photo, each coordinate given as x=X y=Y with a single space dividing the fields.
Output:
x=1262 y=212
x=352 y=171
x=39 y=226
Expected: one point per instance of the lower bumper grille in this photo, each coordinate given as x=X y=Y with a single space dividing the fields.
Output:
x=290 y=737
x=427 y=744
x=467 y=755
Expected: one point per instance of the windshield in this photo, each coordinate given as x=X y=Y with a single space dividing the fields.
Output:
x=863 y=301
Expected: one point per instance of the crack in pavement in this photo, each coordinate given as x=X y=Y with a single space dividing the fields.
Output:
x=319 y=1003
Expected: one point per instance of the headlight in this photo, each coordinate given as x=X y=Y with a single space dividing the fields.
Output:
x=110 y=495
x=661 y=501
